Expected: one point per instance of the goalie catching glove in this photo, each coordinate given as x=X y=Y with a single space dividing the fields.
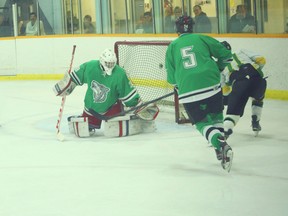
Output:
x=148 y=112
x=65 y=86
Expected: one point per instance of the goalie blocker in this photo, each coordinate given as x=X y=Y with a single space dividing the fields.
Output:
x=116 y=127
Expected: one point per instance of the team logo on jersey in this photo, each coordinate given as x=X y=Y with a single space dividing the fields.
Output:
x=100 y=92
x=203 y=106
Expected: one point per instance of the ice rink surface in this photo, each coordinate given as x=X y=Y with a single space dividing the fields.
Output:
x=171 y=172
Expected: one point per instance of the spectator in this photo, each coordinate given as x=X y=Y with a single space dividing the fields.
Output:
x=5 y=30
x=177 y=12
x=74 y=23
x=89 y=28
x=32 y=27
x=139 y=25
x=170 y=23
x=242 y=21
x=168 y=8
x=21 y=26
x=168 y=19
x=202 y=22
x=147 y=23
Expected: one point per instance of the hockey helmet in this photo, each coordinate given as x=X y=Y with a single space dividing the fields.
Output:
x=226 y=44
x=108 y=61
x=184 y=24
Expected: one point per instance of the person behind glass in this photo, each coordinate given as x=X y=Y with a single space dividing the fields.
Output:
x=168 y=20
x=5 y=29
x=202 y=22
x=147 y=22
x=72 y=24
x=242 y=21
x=32 y=27
x=177 y=13
x=21 y=27
x=88 y=26
x=139 y=25
x=196 y=76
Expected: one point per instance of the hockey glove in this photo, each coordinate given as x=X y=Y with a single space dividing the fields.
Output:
x=260 y=61
x=65 y=86
x=148 y=112
x=237 y=75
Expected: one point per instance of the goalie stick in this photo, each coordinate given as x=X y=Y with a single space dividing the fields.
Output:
x=59 y=135
x=105 y=118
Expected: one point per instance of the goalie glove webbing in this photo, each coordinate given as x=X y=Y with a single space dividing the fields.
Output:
x=148 y=112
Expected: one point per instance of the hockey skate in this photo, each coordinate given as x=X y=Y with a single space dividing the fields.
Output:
x=227 y=155
x=218 y=154
x=228 y=133
x=255 y=125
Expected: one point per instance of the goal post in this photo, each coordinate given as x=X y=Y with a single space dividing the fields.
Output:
x=144 y=63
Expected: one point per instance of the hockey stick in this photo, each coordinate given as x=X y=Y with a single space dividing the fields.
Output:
x=59 y=135
x=105 y=118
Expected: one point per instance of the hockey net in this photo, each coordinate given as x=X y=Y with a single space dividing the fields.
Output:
x=144 y=63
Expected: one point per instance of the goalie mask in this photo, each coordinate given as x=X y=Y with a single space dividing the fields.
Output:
x=184 y=24
x=108 y=61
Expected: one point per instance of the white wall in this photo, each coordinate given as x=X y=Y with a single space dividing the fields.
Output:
x=8 y=64
x=52 y=55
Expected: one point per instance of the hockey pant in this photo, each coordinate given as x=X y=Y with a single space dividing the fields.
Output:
x=85 y=125
x=246 y=71
x=242 y=90
x=94 y=122
x=207 y=116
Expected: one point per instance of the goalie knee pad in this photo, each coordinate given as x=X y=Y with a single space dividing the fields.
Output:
x=79 y=126
x=122 y=126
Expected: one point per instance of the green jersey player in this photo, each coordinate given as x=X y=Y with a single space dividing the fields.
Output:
x=108 y=88
x=193 y=64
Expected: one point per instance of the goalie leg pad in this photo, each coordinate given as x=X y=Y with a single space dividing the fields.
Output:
x=122 y=127
x=148 y=126
x=79 y=126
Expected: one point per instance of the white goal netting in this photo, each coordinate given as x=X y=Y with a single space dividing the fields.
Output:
x=144 y=63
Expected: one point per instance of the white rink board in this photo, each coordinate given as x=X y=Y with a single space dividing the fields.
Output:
x=51 y=55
